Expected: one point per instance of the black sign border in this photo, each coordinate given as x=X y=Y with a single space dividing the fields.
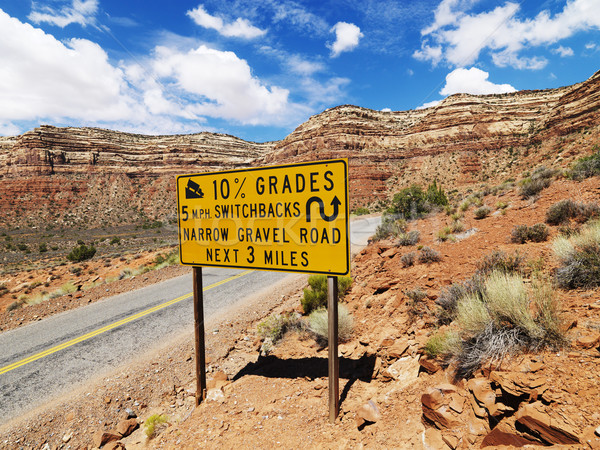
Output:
x=252 y=169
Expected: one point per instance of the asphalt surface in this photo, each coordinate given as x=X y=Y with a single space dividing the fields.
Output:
x=45 y=359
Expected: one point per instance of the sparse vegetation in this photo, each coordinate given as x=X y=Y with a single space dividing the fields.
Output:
x=538 y=181
x=413 y=202
x=390 y=226
x=361 y=210
x=579 y=256
x=316 y=295
x=319 y=324
x=587 y=167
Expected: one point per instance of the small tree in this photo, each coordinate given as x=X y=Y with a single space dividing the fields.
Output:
x=81 y=253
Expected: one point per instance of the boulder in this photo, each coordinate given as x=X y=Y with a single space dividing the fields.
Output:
x=126 y=427
x=101 y=438
x=369 y=412
x=518 y=384
x=551 y=427
x=405 y=371
x=504 y=434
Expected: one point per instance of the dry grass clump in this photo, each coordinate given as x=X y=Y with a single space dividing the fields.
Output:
x=275 y=326
x=499 y=260
x=410 y=238
x=391 y=226
x=579 y=256
x=319 y=324
x=504 y=317
x=483 y=212
x=408 y=259
x=428 y=255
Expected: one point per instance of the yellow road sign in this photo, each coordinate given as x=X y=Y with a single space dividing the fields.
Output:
x=291 y=218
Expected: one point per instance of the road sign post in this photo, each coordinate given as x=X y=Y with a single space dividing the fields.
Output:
x=199 y=336
x=332 y=338
x=291 y=218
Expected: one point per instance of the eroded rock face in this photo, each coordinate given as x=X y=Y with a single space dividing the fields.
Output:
x=103 y=176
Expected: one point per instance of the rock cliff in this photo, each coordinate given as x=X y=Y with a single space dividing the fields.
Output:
x=87 y=175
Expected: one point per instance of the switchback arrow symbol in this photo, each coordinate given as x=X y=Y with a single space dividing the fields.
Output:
x=335 y=203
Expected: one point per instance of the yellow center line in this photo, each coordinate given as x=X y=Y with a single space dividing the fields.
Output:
x=112 y=325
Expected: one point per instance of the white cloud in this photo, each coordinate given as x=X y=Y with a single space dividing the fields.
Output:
x=347 y=36
x=429 y=104
x=472 y=81
x=461 y=36
x=42 y=77
x=386 y=110
x=79 y=11
x=240 y=28
x=221 y=85
x=563 y=51
x=590 y=46
x=298 y=16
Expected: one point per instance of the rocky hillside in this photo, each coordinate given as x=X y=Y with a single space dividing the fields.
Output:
x=93 y=177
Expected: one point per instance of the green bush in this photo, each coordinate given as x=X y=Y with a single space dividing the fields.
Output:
x=361 y=210
x=319 y=324
x=115 y=240
x=43 y=248
x=587 y=167
x=442 y=344
x=81 y=253
x=579 y=257
x=153 y=421
x=436 y=195
x=412 y=202
x=316 y=296
x=483 y=212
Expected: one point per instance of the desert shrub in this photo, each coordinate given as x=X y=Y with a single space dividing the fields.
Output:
x=43 y=248
x=501 y=205
x=428 y=255
x=533 y=186
x=449 y=297
x=319 y=324
x=507 y=317
x=15 y=305
x=361 y=210
x=416 y=294
x=586 y=167
x=115 y=240
x=412 y=202
x=408 y=259
x=23 y=247
x=391 y=225
x=416 y=306
x=153 y=421
x=482 y=212
x=500 y=261
x=564 y=210
x=3 y=289
x=410 y=238
x=519 y=234
x=276 y=325
x=444 y=234
x=316 y=296
x=538 y=232
x=522 y=233
x=81 y=253
x=579 y=256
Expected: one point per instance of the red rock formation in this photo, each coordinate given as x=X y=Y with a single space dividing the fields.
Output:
x=71 y=175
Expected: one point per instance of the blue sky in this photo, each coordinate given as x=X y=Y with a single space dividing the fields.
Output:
x=258 y=69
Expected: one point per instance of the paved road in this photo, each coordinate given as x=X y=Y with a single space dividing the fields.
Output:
x=44 y=359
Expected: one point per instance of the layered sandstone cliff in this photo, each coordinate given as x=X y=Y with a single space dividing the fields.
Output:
x=92 y=176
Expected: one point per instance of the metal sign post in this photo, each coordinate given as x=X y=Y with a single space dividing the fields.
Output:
x=334 y=362
x=199 y=336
